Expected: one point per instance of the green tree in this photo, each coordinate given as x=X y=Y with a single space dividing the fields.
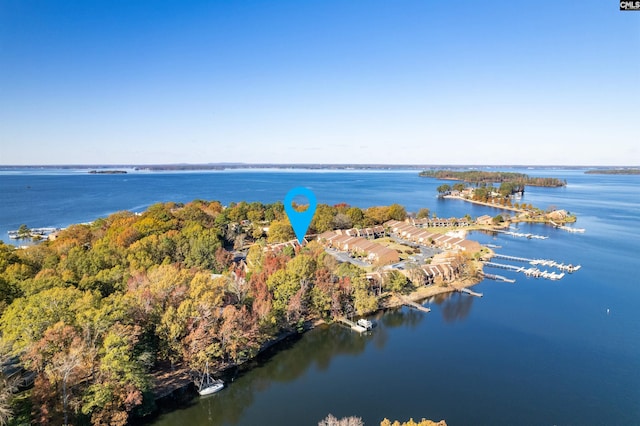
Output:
x=356 y=215
x=323 y=219
x=26 y=319
x=280 y=231
x=444 y=188
x=423 y=214
x=397 y=212
x=458 y=186
x=24 y=231
x=398 y=283
x=364 y=301
x=120 y=380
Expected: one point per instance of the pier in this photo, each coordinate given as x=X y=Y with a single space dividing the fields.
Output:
x=539 y=262
x=412 y=304
x=351 y=324
x=514 y=258
x=469 y=292
x=498 y=278
x=568 y=228
x=522 y=235
x=529 y=272
x=505 y=266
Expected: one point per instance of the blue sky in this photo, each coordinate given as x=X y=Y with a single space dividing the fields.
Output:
x=404 y=82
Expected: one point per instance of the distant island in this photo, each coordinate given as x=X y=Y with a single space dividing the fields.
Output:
x=107 y=172
x=482 y=177
x=629 y=171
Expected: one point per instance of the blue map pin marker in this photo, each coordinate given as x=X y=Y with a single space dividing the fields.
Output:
x=300 y=221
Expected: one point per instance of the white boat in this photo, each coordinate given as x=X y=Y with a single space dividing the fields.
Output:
x=209 y=385
x=368 y=325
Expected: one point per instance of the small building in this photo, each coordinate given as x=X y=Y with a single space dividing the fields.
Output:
x=484 y=220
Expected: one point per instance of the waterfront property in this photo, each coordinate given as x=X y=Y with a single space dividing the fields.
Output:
x=417 y=235
x=373 y=252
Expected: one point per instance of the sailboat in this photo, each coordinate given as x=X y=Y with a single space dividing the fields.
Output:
x=209 y=385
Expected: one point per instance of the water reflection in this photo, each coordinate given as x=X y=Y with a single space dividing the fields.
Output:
x=294 y=358
x=454 y=306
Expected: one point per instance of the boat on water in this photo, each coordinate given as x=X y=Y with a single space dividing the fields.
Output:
x=209 y=385
x=368 y=325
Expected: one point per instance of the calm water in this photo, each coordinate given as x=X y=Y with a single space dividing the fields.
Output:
x=535 y=352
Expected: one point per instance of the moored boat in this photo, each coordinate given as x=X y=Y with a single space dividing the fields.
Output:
x=209 y=385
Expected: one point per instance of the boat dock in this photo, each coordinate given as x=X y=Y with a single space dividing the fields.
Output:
x=412 y=304
x=498 y=278
x=469 y=292
x=352 y=325
x=529 y=272
x=522 y=235
x=505 y=266
x=514 y=258
x=569 y=228
x=539 y=262
x=31 y=233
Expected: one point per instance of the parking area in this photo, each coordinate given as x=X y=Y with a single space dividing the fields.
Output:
x=342 y=256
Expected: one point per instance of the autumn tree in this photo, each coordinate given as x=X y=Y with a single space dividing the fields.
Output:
x=238 y=333
x=61 y=355
x=120 y=381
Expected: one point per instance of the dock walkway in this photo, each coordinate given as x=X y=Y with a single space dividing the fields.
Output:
x=351 y=324
x=498 y=278
x=469 y=292
x=412 y=304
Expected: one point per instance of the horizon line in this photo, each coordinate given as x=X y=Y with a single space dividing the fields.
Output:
x=303 y=165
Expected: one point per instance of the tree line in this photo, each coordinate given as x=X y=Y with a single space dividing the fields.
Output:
x=483 y=177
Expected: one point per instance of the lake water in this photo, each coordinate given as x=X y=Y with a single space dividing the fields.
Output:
x=535 y=352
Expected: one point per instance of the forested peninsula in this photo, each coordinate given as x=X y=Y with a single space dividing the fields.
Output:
x=623 y=171
x=483 y=177
x=99 y=308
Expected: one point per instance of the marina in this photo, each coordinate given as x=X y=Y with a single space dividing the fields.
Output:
x=529 y=272
x=539 y=262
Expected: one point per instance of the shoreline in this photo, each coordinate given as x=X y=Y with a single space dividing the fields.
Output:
x=482 y=203
x=180 y=381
